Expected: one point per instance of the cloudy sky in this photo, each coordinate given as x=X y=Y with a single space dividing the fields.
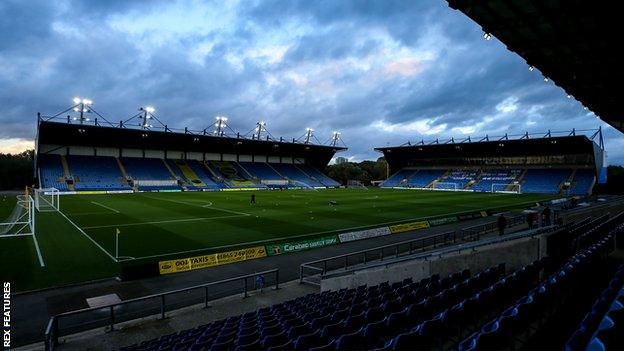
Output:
x=381 y=72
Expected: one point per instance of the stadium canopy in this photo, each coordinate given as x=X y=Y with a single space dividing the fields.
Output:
x=69 y=134
x=572 y=42
x=574 y=149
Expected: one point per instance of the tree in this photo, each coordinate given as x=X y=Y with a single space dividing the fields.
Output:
x=16 y=170
x=364 y=171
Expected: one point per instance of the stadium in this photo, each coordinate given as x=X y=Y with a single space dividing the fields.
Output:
x=140 y=235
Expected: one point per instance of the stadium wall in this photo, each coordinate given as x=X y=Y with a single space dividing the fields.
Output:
x=515 y=255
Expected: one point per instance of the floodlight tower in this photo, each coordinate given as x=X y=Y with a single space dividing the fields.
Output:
x=220 y=125
x=308 y=136
x=260 y=127
x=147 y=113
x=82 y=106
x=335 y=138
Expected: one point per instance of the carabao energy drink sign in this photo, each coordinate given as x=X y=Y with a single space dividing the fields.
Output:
x=277 y=249
x=217 y=259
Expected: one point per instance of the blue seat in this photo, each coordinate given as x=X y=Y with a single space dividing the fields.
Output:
x=329 y=347
x=288 y=346
x=350 y=342
x=252 y=346
x=306 y=341
x=330 y=331
x=274 y=340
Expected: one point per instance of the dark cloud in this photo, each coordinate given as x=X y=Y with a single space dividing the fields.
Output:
x=351 y=66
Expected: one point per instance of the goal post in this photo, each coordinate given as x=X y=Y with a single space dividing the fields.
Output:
x=445 y=186
x=46 y=199
x=507 y=188
x=21 y=222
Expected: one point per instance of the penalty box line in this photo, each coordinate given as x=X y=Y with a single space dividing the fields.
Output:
x=162 y=222
x=89 y=237
x=205 y=204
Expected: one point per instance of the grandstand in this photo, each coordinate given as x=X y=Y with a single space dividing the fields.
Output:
x=98 y=161
x=550 y=163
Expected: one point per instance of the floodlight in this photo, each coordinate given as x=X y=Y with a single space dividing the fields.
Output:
x=77 y=100
x=76 y=109
x=87 y=102
x=309 y=130
x=545 y=79
x=569 y=96
x=262 y=123
x=531 y=68
x=150 y=109
x=487 y=36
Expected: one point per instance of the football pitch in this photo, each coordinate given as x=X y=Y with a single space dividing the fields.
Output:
x=79 y=243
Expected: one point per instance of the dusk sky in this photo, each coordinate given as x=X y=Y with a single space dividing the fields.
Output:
x=380 y=72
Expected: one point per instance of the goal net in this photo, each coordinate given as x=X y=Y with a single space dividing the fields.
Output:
x=46 y=199
x=506 y=188
x=445 y=186
x=22 y=219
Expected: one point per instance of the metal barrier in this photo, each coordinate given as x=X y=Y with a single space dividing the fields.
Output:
x=312 y=272
x=112 y=314
x=458 y=248
x=474 y=233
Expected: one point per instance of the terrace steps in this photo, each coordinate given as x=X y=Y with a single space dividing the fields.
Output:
x=171 y=172
x=275 y=170
x=249 y=175
x=66 y=172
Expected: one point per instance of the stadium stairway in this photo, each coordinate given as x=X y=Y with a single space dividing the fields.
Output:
x=122 y=168
x=67 y=173
x=171 y=171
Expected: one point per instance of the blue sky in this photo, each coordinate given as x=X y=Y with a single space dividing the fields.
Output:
x=380 y=72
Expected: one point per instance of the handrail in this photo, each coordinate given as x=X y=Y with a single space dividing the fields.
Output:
x=376 y=253
x=464 y=246
x=311 y=273
x=52 y=332
x=474 y=232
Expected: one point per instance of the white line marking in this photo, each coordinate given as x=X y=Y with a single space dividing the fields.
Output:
x=41 y=263
x=89 y=213
x=160 y=222
x=88 y=237
x=317 y=233
x=106 y=207
x=196 y=205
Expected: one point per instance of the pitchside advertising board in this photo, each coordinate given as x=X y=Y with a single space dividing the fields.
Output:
x=198 y=262
x=278 y=249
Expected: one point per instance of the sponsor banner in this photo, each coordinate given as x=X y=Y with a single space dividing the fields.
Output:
x=363 y=234
x=278 y=249
x=239 y=189
x=92 y=192
x=441 y=221
x=407 y=227
x=119 y=192
x=198 y=262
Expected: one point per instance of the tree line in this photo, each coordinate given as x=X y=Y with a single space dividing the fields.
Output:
x=365 y=171
x=16 y=170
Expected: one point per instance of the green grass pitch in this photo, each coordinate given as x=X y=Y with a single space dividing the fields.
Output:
x=78 y=244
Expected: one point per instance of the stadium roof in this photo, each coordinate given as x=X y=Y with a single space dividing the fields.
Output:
x=68 y=134
x=572 y=42
x=401 y=156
